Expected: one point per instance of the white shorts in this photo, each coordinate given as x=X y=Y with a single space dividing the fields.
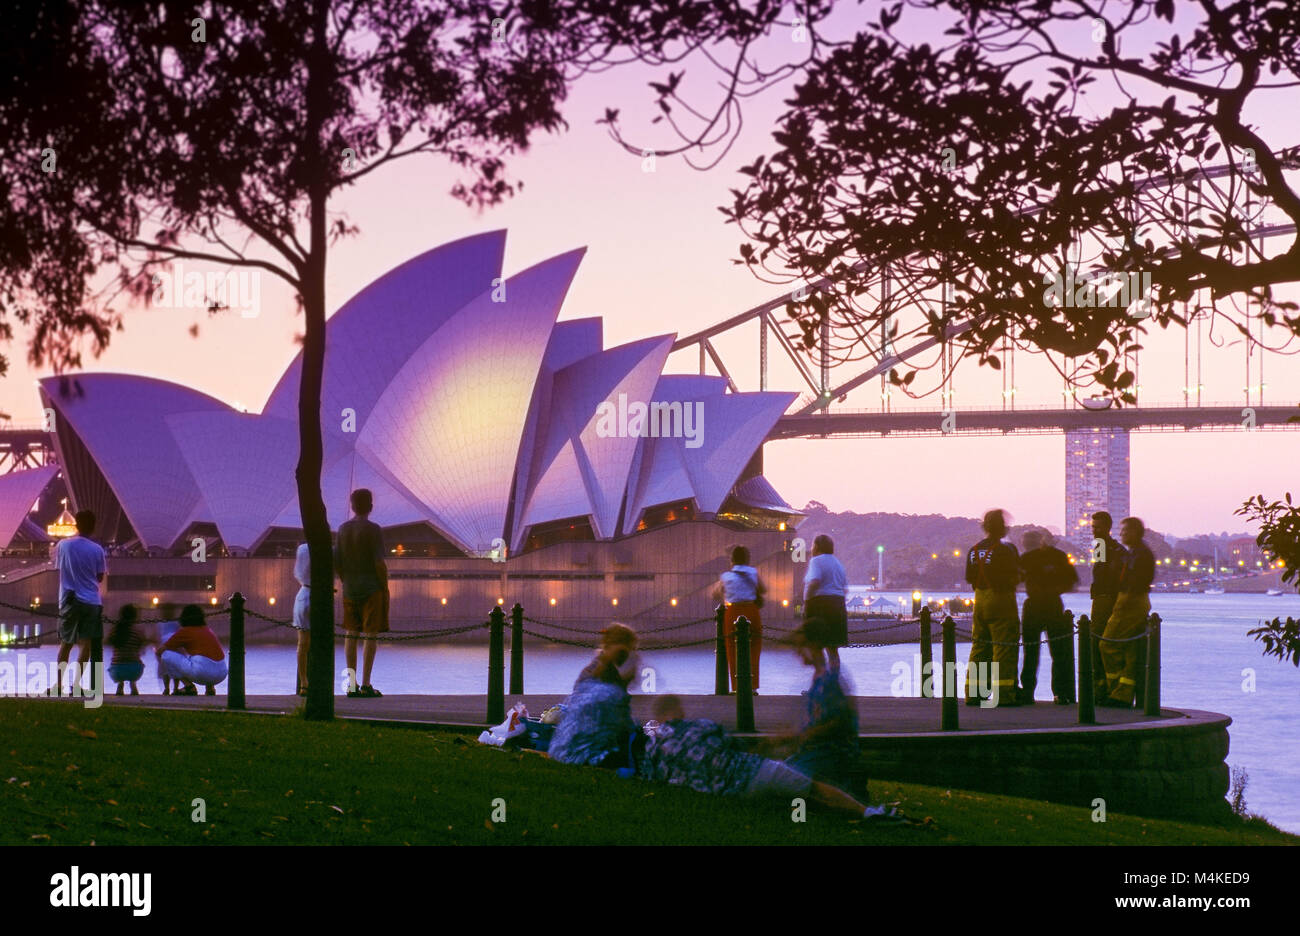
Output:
x=778 y=778
x=302 y=609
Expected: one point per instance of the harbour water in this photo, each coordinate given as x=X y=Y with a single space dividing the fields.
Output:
x=1209 y=663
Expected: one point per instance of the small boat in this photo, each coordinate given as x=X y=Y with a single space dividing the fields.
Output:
x=1213 y=590
x=1274 y=591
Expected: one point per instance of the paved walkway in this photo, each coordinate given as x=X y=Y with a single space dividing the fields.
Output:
x=877 y=716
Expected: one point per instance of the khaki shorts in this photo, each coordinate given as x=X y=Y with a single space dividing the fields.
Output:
x=367 y=616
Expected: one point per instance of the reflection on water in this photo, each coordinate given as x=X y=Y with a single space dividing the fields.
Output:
x=1208 y=664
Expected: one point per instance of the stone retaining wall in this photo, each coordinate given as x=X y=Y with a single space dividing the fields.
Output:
x=1174 y=768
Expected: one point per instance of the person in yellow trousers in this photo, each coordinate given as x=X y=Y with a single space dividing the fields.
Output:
x=993 y=568
x=1119 y=651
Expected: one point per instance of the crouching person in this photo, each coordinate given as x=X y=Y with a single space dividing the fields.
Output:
x=193 y=656
x=697 y=753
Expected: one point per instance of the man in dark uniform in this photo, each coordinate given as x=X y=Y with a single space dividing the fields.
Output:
x=993 y=568
x=1107 y=558
x=1119 y=648
x=1047 y=573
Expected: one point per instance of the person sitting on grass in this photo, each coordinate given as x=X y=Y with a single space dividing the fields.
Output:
x=597 y=723
x=193 y=655
x=698 y=753
x=826 y=746
x=126 y=640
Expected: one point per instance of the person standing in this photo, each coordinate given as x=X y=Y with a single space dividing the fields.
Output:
x=1107 y=558
x=824 y=614
x=81 y=565
x=1047 y=572
x=302 y=612
x=993 y=568
x=359 y=558
x=1119 y=648
x=741 y=591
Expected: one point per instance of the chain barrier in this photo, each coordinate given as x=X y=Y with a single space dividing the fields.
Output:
x=390 y=637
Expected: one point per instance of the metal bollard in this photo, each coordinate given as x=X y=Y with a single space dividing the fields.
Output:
x=927 y=655
x=516 y=650
x=948 y=714
x=235 y=684
x=1066 y=645
x=496 y=687
x=1152 y=706
x=744 y=679
x=1140 y=677
x=1087 y=704
x=721 y=674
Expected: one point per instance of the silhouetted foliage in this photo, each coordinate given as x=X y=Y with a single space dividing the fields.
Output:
x=137 y=134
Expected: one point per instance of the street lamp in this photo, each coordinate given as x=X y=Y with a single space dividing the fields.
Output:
x=880 y=566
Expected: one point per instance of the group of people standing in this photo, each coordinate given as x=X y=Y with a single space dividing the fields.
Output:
x=186 y=649
x=825 y=615
x=360 y=566
x=1121 y=583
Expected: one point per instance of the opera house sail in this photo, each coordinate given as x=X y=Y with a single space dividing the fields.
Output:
x=501 y=445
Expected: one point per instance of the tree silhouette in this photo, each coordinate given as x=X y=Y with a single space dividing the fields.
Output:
x=138 y=134
x=985 y=165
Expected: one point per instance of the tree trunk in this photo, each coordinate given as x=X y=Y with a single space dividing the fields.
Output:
x=320 y=661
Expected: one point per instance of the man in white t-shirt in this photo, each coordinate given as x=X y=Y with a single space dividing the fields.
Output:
x=824 y=614
x=81 y=566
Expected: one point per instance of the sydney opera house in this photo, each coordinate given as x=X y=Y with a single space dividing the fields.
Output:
x=512 y=457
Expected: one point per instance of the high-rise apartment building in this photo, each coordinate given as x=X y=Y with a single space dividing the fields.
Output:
x=1096 y=478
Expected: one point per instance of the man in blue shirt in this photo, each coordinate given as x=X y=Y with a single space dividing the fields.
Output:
x=81 y=566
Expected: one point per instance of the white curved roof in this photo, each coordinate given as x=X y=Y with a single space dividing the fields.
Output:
x=18 y=492
x=577 y=425
x=732 y=427
x=455 y=449
x=121 y=419
x=470 y=401
x=379 y=328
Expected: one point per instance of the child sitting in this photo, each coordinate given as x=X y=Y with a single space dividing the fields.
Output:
x=126 y=641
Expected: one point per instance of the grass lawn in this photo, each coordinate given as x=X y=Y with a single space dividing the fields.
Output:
x=69 y=775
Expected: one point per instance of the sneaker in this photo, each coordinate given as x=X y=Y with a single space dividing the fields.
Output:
x=883 y=815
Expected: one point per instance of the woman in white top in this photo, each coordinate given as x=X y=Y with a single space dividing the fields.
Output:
x=302 y=612
x=824 y=614
x=741 y=590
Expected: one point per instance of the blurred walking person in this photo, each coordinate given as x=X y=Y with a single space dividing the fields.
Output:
x=741 y=591
x=824 y=585
x=993 y=568
x=1119 y=646
x=1048 y=573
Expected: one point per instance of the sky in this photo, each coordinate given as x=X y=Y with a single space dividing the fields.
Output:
x=659 y=260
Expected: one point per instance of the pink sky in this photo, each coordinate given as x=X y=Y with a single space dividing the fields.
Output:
x=658 y=261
